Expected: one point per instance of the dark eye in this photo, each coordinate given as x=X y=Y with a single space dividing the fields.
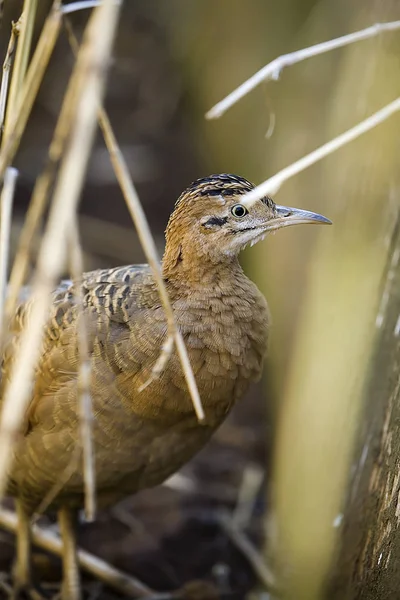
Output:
x=239 y=211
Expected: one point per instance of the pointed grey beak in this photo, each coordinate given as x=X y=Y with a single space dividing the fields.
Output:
x=287 y=216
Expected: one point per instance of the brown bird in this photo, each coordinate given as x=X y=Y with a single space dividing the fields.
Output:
x=142 y=437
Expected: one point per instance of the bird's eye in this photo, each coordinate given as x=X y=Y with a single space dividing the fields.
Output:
x=239 y=211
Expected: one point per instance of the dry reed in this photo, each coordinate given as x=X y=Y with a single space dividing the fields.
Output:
x=88 y=83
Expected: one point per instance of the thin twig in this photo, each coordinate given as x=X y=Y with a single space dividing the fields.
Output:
x=27 y=21
x=36 y=209
x=6 y=203
x=242 y=542
x=61 y=481
x=5 y=586
x=161 y=363
x=84 y=376
x=31 y=86
x=146 y=239
x=40 y=197
x=90 y=65
x=250 y=486
x=272 y=185
x=15 y=29
x=125 y=584
x=143 y=230
x=273 y=69
x=75 y=6
x=31 y=224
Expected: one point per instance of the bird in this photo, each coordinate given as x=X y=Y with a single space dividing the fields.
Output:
x=142 y=434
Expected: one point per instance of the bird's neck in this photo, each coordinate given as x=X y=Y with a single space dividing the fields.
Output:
x=187 y=266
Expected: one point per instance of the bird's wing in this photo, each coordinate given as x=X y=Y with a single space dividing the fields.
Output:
x=124 y=324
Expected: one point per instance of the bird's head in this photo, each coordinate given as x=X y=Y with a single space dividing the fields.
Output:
x=211 y=221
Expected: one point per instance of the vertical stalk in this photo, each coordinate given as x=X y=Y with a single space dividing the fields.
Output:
x=27 y=22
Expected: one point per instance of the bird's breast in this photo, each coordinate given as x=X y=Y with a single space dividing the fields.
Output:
x=225 y=332
x=226 y=337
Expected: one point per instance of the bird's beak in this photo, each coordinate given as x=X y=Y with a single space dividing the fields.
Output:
x=287 y=216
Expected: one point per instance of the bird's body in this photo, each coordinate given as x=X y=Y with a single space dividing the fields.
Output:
x=142 y=434
x=140 y=437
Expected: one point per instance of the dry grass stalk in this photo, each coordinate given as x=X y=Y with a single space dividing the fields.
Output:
x=123 y=583
x=146 y=239
x=84 y=399
x=85 y=449
x=6 y=203
x=252 y=480
x=83 y=5
x=149 y=247
x=273 y=69
x=143 y=230
x=42 y=187
x=62 y=480
x=161 y=363
x=26 y=24
x=40 y=197
x=8 y=61
x=272 y=185
x=30 y=227
x=33 y=79
x=89 y=85
x=242 y=542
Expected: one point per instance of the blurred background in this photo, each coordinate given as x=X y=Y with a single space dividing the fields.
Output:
x=173 y=61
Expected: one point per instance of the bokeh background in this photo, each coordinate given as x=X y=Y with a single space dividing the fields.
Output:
x=173 y=61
